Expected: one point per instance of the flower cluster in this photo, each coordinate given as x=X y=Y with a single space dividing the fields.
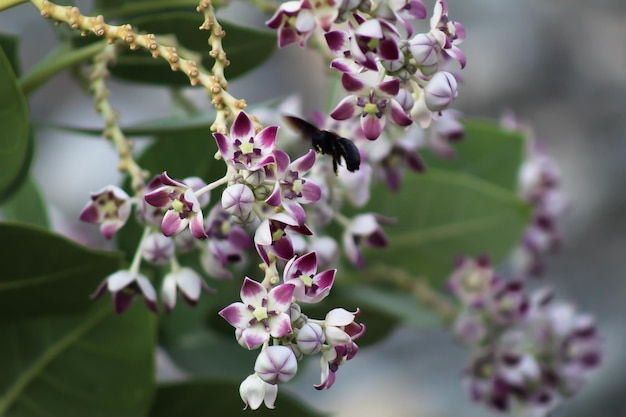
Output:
x=528 y=351
x=540 y=186
x=389 y=72
x=266 y=203
x=270 y=317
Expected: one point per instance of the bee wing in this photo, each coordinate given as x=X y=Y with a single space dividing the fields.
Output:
x=305 y=128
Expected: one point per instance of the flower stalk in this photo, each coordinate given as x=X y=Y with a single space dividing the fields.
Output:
x=222 y=100
x=112 y=130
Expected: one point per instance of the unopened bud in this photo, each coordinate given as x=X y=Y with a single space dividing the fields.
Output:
x=440 y=91
x=310 y=338
x=238 y=200
x=276 y=364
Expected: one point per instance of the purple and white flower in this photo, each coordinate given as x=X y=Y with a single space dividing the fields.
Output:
x=254 y=391
x=125 y=286
x=291 y=188
x=271 y=236
x=373 y=103
x=363 y=229
x=245 y=149
x=261 y=314
x=311 y=287
x=184 y=281
x=110 y=207
x=183 y=207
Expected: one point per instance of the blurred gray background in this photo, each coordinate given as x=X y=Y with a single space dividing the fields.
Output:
x=560 y=65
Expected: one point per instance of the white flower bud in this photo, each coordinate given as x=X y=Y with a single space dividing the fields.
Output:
x=424 y=49
x=440 y=91
x=393 y=65
x=310 y=338
x=276 y=364
x=405 y=99
x=238 y=200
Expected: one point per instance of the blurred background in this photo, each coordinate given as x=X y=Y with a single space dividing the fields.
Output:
x=559 y=65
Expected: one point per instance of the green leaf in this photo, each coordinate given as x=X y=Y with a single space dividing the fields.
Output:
x=44 y=273
x=27 y=205
x=190 y=399
x=15 y=149
x=96 y=364
x=442 y=215
x=488 y=152
x=10 y=45
x=246 y=48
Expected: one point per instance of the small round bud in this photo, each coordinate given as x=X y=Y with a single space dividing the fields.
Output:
x=295 y=312
x=405 y=99
x=238 y=200
x=157 y=249
x=393 y=65
x=262 y=192
x=310 y=338
x=424 y=49
x=253 y=178
x=440 y=91
x=276 y=364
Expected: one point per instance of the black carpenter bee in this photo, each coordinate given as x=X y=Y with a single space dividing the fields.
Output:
x=328 y=143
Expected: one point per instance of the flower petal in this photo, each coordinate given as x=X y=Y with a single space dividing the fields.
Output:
x=280 y=325
x=267 y=137
x=172 y=223
x=119 y=280
x=280 y=297
x=242 y=127
x=237 y=314
x=254 y=336
x=252 y=292
x=345 y=109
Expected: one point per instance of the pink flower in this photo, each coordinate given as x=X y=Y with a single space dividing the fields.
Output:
x=261 y=314
x=311 y=287
x=125 y=287
x=373 y=103
x=184 y=281
x=364 y=228
x=110 y=207
x=183 y=207
x=245 y=149
x=271 y=235
x=291 y=188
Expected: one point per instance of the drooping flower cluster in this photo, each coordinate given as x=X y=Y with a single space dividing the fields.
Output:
x=390 y=73
x=528 y=351
x=266 y=196
x=270 y=317
x=540 y=186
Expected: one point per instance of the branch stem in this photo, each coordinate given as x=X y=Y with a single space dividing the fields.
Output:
x=59 y=59
x=7 y=4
